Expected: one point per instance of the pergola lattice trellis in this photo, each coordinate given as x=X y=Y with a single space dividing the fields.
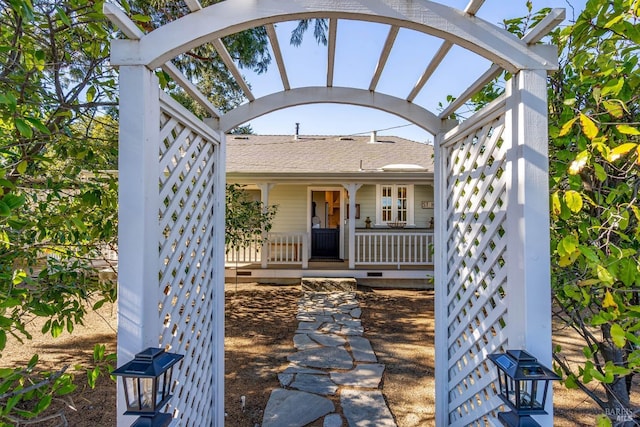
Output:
x=492 y=221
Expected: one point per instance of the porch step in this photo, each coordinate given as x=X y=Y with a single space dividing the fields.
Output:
x=329 y=284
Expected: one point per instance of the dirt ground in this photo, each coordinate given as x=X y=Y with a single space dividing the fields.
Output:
x=260 y=323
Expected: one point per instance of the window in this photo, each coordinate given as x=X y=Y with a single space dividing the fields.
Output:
x=394 y=203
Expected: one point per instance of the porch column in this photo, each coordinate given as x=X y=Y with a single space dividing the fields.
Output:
x=265 y=189
x=529 y=279
x=139 y=325
x=352 y=189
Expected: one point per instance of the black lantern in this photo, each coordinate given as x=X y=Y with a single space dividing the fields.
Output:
x=523 y=386
x=147 y=383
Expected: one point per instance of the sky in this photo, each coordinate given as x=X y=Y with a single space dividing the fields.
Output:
x=358 y=49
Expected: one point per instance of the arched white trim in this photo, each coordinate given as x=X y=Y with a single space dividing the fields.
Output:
x=337 y=95
x=231 y=16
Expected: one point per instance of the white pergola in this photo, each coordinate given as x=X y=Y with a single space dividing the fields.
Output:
x=492 y=222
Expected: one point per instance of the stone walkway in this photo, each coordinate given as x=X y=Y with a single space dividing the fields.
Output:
x=332 y=359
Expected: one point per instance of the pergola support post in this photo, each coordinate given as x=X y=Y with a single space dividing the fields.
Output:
x=529 y=277
x=219 y=196
x=440 y=281
x=138 y=320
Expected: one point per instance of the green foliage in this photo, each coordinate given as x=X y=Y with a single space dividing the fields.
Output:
x=594 y=175
x=594 y=159
x=25 y=394
x=246 y=219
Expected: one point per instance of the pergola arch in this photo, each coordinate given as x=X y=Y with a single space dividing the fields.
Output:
x=334 y=95
x=491 y=193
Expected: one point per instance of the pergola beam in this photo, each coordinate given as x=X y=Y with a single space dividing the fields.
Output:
x=277 y=53
x=122 y=21
x=471 y=9
x=331 y=52
x=384 y=55
x=131 y=30
x=549 y=22
x=191 y=89
x=235 y=72
x=431 y=68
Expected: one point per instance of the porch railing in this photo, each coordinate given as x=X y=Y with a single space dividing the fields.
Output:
x=394 y=248
x=281 y=248
x=287 y=248
x=248 y=254
x=384 y=247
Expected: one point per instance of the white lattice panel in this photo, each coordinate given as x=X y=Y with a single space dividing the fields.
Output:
x=186 y=183
x=476 y=274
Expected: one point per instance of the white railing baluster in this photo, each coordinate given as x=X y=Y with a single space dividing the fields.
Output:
x=392 y=247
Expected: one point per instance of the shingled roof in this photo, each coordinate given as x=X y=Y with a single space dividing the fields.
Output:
x=251 y=154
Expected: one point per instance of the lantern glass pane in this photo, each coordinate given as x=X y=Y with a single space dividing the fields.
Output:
x=131 y=393
x=161 y=390
x=529 y=395
x=146 y=395
x=512 y=392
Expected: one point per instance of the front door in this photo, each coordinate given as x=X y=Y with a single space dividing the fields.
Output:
x=325 y=224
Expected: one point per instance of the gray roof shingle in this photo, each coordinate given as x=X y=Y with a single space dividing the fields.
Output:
x=322 y=154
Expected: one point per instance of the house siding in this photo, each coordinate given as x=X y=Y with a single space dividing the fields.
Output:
x=366 y=198
x=291 y=215
x=423 y=193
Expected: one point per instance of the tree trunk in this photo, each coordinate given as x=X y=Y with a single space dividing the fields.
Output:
x=618 y=403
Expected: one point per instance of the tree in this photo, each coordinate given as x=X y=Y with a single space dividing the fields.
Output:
x=58 y=146
x=246 y=220
x=594 y=161
x=594 y=165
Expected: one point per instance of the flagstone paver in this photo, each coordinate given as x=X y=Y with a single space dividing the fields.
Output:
x=332 y=358
x=290 y=408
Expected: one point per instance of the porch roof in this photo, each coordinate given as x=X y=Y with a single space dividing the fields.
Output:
x=328 y=156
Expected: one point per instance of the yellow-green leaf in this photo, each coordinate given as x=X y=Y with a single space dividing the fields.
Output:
x=628 y=130
x=603 y=421
x=621 y=150
x=556 y=208
x=566 y=128
x=588 y=126
x=604 y=275
x=617 y=335
x=613 y=87
x=573 y=199
x=22 y=167
x=579 y=163
x=608 y=300
x=614 y=107
x=569 y=259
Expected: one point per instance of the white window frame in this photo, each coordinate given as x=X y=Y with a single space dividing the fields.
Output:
x=394 y=192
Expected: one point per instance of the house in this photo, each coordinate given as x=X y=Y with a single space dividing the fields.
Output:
x=348 y=206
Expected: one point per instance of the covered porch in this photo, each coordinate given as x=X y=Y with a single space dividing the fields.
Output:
x=399 y=258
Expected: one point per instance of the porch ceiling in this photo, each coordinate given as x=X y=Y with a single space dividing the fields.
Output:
x=445 y=27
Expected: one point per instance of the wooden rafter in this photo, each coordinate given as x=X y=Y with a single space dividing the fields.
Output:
x=552 y=20
x=471 y=9
x=131 y=30
x=277 y=53
x=331 y=51
x=228 y=61
x=384 y=55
